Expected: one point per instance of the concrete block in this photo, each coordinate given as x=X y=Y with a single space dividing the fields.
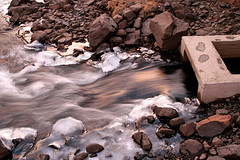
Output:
x=205 y=54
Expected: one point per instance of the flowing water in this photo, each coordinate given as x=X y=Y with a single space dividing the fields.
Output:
x=81 y=103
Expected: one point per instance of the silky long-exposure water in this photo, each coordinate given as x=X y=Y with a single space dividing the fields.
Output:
x=57 y=104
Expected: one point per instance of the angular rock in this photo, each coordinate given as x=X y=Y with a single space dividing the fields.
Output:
x=215 y=158
x=100 y=30
x=213 y=125
x=217 y=142
x=237 y=123
x=168 y=30
x=117 y=18
x=165 y=113
x=191 y=147
x=121 y=32
x=137 y=23
x=81 y=156
x=133 y=38
x=142 y=139
x=42 y=157
x=229 y=151
x=62 y=3
x=94 y=148
x=136 y=7
x=4 y=152
x=15 y=3
x=123 y=24
x=150 y=119
x=146 y=28
x=187 y=129
x=129 y=14
x=175 y=122
x=116 y=40
x=165 y=132
x=40 y=36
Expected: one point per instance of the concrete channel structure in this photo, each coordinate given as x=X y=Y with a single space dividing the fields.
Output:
x=205 y=54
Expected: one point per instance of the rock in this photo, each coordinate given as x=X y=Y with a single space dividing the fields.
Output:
x=204 y=31
x=175 y=122
x=136 y=7
x=81 y=156
x=93 y=155
x=168 y=30
x=94 y=148
x=100 y=30
x=222 y=111
x=67 y=7
x=191 y=147
x=217 y=142
x=215 y=158
x=4 y=152
x=146 y=28
x=129 y=14
x=213 y=125
x=133 y=38
x=137 y=24
x=206 y=146
x=150 y=119
x=117 y=18
x=123 y=24
x=121 y=32
x=116 y=40
x=62 y=3
x=142 y=139
x=180 y=10
x=15 y=3
x=203 y=156
x=130 y=30
x=21 y=10
x=42 y=157
x=165 y=113
x=237 y=123
x=165 y=132
x=40 y=36
x=212 y=151
x=187 y=129
x=229 y=151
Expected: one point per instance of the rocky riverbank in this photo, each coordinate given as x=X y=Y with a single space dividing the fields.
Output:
x=157 y=25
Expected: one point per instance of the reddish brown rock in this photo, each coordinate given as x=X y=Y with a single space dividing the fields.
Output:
x=41 y=36
x=146 y=28
x=165 y=113
x=229 y=152
x=191 y=147
x=133 y=38
x=81 y=156
x=175 y=122
x=168 y=30
x=94 y=148
x=187 y=129
x=213 y=125
x=142 y=139
x=129 y=14
x=165 y=132
x=100 y=30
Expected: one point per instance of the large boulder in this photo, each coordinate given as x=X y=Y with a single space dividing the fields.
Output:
x=213 y=125
x=229 y=151
x=168 y=30
x=100 y=30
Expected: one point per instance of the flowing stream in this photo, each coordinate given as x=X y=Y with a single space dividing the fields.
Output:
x=53 y=99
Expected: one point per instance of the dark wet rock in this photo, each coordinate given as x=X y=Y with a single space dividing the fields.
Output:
x=229 y=151
x=100 y=30
x=40 y=36
x=175 y=122
x=129 y=14
x=187 y=129
x=150 y=119
x=146 y=28
x=215 y=158
x=168 y=30
x=165 y=132
x=139 y=156
x=93 y=155
x=165 y=113
x=133 y=38
x=42 y=157
x=4 y=152
x=21 y=10
x=213 y=125
x=191 y=147
x=142 y=139
x=94 y=148
x=81 y=156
